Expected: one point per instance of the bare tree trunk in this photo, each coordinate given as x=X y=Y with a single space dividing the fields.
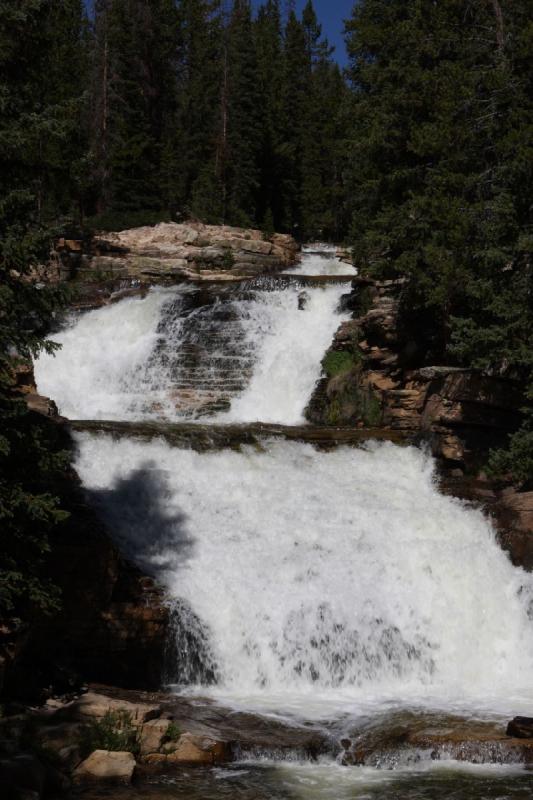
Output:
x=101 y=111
x=221 y=154
x=500 y=34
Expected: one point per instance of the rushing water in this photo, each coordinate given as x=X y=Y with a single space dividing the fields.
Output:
x=333 y=581
x=321 y=260
x=314 y=585
x=271 y=781
x=254 y=355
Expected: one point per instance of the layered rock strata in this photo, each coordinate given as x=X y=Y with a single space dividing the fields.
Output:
x=172 y=251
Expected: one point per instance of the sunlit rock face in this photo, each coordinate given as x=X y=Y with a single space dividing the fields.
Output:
x=192 y=250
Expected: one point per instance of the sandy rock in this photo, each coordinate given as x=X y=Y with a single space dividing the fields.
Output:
x=152 y=735
x=105 y=765
x=95 y=706
x=191 y=749
x=381 y=381
x=520 y=504
x=451 y=448
x=41 y=405
x=257 y=246
x=172 y=249
x=155 y=758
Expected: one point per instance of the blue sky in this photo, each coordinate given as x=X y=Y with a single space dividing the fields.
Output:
x=331 y=14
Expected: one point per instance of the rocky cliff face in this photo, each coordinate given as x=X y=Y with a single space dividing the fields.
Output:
x=461 y=414
x=191 y=251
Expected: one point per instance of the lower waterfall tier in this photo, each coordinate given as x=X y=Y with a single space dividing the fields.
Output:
x=320 y=581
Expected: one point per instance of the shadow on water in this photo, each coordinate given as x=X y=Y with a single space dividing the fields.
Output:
x=141 y=515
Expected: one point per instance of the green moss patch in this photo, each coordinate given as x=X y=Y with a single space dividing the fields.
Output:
x=337 y=362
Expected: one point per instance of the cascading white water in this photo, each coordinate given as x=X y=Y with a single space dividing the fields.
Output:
x=320 y=259
x=319 y=580
x=158 y=358
x=288 y=343
x=101 y=370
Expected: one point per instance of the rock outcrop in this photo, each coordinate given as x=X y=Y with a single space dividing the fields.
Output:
x=80 y=739
x=372 y=380
x=190 y=251
x=106 y=765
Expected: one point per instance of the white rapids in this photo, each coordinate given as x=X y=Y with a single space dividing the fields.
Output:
x=325 y=581
x=132 y=360
x=320 y=259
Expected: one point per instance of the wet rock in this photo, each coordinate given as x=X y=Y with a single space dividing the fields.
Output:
x=303 y=299
x=521 y=728
x=193 y=749
x=405 y=738
x=106 y=765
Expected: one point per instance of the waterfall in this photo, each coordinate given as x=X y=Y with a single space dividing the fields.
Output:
x=253 y=354
x=302 y=579
x=332 y=578
x=320 y=259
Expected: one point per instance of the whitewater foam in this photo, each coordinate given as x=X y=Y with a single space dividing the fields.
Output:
x=337 y=581
x=257 y=353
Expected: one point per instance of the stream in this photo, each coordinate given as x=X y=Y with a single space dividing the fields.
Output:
x=330 y=589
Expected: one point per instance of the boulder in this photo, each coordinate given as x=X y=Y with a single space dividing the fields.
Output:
x=521 y=728
x=171 y=250
x=193 y=749
x=106 y=765
x=153 y=734
x=95 y=706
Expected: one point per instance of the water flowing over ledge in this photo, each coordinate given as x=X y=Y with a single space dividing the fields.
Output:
x=252 y=354
x=318 y=579
x=330 y=581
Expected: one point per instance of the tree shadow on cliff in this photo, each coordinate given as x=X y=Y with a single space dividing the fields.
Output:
x=143 y=520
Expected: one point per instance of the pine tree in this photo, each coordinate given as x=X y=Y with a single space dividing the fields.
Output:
x=441 y=132
x=269 y=48
x=197 y=127
x=39 y=121
x=241 y=170
x=133 y=101
x=294 y=120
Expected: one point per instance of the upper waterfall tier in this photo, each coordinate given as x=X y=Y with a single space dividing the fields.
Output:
x=244 y=353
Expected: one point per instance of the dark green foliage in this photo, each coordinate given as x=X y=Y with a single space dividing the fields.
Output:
x=39 y=98
x=133 y=102
x=440 y=145
x=204 y=111
x=173 y=732
x=240 y=171
x=114 y=732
